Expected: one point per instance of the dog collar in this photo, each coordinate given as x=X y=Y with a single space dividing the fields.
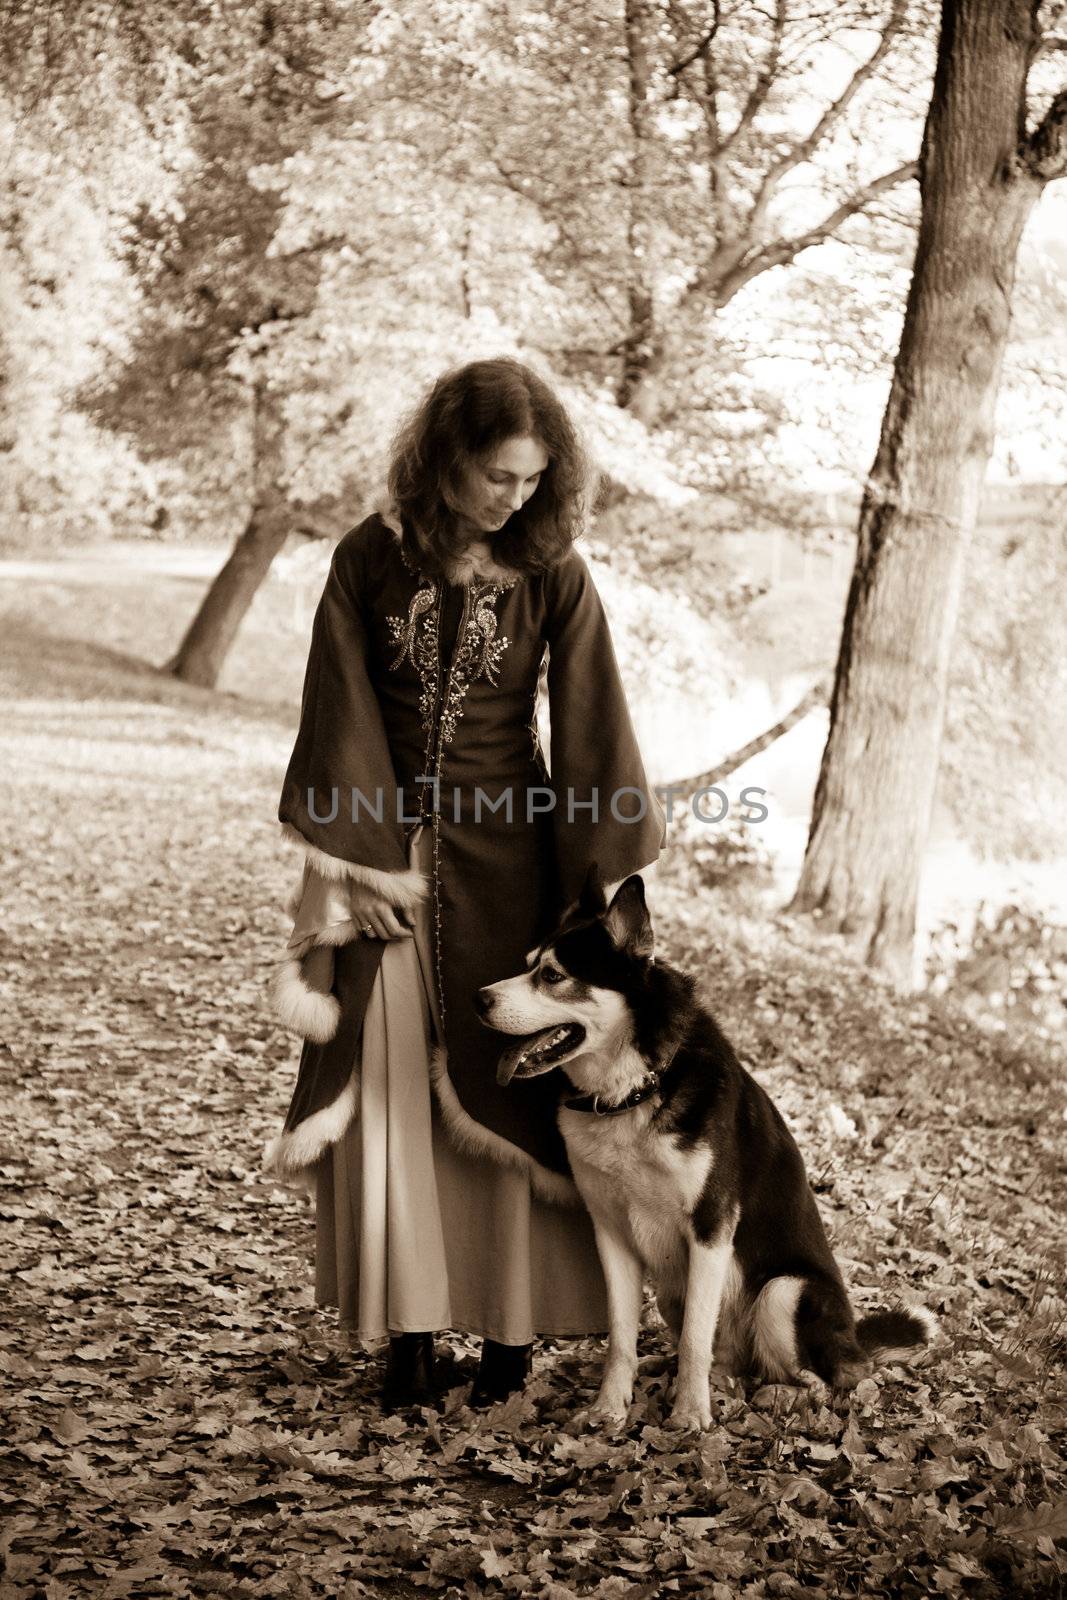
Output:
x=644 y=1091
x=636 y=1097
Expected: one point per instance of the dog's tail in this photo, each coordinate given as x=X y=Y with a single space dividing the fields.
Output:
x=896 y=1335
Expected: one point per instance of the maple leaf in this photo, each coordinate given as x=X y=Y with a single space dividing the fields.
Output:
x=495 y=1565
x=1047 y=1522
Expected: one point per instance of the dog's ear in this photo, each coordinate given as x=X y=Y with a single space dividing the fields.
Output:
x=592 y=900
x=627 y=919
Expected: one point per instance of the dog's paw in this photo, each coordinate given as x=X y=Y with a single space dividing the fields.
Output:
x=690 y=1416
x=590 y=1420
x=610 y=1408
x=817 y=1391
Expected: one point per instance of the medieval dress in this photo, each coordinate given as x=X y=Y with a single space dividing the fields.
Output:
x=418 y=771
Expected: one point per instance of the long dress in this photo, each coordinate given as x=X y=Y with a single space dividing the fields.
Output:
x=450 y=1208
x=414 y=1235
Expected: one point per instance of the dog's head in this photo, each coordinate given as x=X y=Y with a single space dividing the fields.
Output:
x=575 y=996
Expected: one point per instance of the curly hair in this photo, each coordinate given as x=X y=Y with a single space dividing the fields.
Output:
x=469 y=411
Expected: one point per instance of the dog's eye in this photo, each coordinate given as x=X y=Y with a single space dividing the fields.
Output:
x=552 y=975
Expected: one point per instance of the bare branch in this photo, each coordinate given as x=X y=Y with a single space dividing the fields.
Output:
x=763 y=84
x=608 y=352
x=804 y=148
x=783 y=251
x=816 y=697
x=1045 y=151
x=333 y=242
x=699 y=49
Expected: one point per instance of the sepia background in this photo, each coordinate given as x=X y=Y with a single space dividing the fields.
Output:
x=826 y=402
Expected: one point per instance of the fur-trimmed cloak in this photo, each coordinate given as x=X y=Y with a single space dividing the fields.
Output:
x=412 y=677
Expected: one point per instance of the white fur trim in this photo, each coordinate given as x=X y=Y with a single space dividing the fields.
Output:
x=335 y=933
x=475 y=1139
x=403 y=888
x=391 y=517
x=474 y=564
x=290 y=1155
x=340 y=933
x=299 y=1007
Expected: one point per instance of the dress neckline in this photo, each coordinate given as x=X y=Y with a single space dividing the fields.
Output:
x=476 y=564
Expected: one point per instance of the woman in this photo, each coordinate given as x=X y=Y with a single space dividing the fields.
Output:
x=437 y=852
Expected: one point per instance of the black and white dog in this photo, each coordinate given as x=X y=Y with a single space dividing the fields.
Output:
x=686 y=1166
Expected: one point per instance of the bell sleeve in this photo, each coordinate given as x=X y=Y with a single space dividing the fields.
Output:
x=340 y=749
x=606 y=810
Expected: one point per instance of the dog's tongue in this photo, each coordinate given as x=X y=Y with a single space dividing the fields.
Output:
x=516 y=1054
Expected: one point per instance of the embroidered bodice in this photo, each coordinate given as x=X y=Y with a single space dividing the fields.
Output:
x=429 y=685
x=455 y=663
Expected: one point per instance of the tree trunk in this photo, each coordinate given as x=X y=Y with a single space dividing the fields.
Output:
x=637 y=345
x=202 y=653
x=874 y=797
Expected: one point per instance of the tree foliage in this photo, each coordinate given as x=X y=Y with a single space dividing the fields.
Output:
x=339 y=202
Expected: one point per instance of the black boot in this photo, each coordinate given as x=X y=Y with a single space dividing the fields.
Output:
x=408 y=1372
x=503 y=1368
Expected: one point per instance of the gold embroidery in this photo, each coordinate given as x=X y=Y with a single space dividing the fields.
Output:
x=402 y=631
x=419 y=648
x=478 y=652
x=491 y=648
x=406 y=559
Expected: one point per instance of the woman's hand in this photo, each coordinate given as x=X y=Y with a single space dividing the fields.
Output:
x=374 y=911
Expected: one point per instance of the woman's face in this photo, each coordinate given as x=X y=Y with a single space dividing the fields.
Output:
x=492 y=489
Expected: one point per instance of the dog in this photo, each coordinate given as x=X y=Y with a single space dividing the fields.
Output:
x=686 y=1166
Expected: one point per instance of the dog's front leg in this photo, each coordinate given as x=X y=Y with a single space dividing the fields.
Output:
x=708 y=1266
x=623 y=1274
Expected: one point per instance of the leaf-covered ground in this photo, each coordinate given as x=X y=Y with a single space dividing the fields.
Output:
x=181 y=1420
